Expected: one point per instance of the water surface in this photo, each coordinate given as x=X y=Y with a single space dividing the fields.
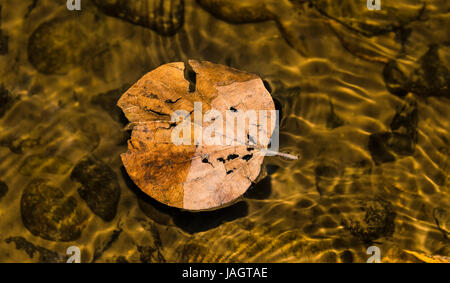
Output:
x=364 y=99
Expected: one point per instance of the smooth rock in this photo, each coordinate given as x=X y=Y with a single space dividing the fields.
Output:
x=373 y=221
x=99 y=186
x=48 y=213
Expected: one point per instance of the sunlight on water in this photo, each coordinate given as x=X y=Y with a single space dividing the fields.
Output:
x=364 y=100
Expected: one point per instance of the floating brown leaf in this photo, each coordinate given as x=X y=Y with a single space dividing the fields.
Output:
x=195 y=175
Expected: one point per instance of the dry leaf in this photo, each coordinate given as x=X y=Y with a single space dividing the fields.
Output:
x=191 y=176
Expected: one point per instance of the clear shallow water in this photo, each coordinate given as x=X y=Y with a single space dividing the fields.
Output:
x=364 y=101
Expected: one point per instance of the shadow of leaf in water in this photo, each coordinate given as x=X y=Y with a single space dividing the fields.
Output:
x=260 y=190
x=190 y=222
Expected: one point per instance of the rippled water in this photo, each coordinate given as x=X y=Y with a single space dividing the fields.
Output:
x=364 y=98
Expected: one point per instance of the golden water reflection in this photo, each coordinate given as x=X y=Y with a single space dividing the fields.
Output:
x=364 y=98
